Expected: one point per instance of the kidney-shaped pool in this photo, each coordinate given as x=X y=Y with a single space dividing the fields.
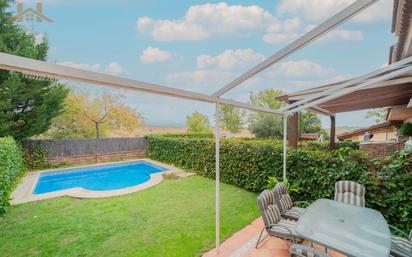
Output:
x=98 y=178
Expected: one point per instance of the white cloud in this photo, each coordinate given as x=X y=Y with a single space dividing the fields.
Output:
x=300 y=68
x=83 y=66
x=205 y=81
x=203 y=21
x=154 y=55
x=114 y=68
x=316 y=10
x=292 y=29
x=230 y=59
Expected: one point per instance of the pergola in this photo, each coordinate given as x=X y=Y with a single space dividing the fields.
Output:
x=315 y=100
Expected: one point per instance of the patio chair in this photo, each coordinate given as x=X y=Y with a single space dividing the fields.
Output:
x=274 y=224
x=401 y=247
x=288 y=209
x=350 y=192
x=298 y=250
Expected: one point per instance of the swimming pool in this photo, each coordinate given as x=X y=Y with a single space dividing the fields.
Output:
x=97 y=178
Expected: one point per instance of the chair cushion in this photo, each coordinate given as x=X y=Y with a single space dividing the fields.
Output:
x=285 y=203
x=350 y=192
x=272 y=214
x=295 y=213
x=400 y=246
x=283 y=232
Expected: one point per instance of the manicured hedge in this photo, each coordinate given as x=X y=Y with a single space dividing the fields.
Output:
x=11 y=168
x=339 y=144
x=248 y=164
x=184 y=135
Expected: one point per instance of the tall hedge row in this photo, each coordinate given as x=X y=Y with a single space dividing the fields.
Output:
x=11 y=168
x=248 y=164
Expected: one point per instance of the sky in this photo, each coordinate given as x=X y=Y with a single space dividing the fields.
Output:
x=203 y=45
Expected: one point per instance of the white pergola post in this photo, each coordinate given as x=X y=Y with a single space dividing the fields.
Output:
x=285 y=144
x=217 y=152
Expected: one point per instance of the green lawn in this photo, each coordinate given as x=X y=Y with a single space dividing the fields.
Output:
x=174 y=218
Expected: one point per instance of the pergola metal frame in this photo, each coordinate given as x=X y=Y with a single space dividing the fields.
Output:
x=389 y=73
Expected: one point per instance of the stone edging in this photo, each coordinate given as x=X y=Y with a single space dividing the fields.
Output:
x=24 y=191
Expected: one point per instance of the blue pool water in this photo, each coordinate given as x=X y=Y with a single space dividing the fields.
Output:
x=102 y=177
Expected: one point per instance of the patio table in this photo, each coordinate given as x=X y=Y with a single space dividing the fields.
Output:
x=351 y=230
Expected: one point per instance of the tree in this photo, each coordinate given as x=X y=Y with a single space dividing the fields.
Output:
x=197 y=123
x=231 y=118
x=27 y=106
x=378 y=114
x=264 y=124
x=86 y=117
x=310 y=123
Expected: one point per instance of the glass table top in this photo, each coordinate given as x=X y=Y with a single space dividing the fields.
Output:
x=352 y=230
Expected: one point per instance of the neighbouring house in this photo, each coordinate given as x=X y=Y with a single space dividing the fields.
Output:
x=394 y=94
x=383 y=132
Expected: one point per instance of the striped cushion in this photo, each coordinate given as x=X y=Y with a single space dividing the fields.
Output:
x=350 y=192
x=266 y=202
x=295 y=213
x=400 y=246
x=273 y=214
x=283 y=199
x=283 y=232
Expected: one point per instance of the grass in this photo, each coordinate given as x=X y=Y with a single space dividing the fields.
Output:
x=174 y=218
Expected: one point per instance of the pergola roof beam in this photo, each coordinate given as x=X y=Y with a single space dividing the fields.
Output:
x=346 y=91
x=55 y=71
x=302 y=41
x=348 y=83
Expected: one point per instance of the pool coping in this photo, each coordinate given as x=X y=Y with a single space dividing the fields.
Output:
x=24 y=191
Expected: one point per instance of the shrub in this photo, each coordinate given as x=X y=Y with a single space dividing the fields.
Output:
x=249 y=164
x=339 y=144
x=11 y=168
x=37 y=158
x=406 y=129
x=184 y=135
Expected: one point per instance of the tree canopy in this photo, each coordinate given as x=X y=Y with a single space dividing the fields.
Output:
x=27 y=106
x=264 y=124
x=231 y=118
x=379 y=114
x=310 y=123
x=99 y=116
x=197 y=123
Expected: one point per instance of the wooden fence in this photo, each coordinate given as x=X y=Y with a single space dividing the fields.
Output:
x=89 y=150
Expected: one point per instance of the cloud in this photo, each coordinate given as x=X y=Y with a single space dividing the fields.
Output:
x=292 y=29
x=317 y=10
x=207 y=20
x=205 y=81
x=230 y=59
x=83 y=66
x=154 y=55
x=301 y=68
x=114 y=68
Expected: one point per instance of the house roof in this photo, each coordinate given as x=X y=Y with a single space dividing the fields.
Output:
x=373 y=128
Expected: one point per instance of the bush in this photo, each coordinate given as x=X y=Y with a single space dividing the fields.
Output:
x=406 y=129
x=339 y=144
x=37 y=158
x=184 y=135
x=249 y=164
x=11 y=168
